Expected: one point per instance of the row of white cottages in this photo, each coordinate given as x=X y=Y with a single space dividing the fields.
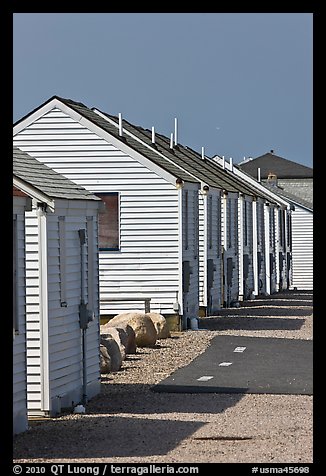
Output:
x=177 y=228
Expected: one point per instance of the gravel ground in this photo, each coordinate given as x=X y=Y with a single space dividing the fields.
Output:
x=128 y=423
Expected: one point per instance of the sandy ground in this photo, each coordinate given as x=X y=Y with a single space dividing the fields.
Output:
x=128 y=423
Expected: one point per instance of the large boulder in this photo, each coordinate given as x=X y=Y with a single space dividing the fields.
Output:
x=128 y=336
x=113 y=351
x=118 y=335
x=160 y=324
x=105 y=360
x=142 y=325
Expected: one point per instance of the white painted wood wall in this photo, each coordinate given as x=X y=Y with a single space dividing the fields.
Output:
x=190 y=251
x=302 y=249
x=246 y=286
x=210 y=248
x=147 y=263
x=19 y=343
x=54 y=352
x=261 y=247
x=230 y=244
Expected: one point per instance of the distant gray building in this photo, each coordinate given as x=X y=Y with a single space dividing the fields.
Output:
x=294 y=182
x=292 y=177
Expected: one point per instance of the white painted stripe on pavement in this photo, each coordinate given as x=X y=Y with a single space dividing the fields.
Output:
x=225 y=364
x=204 y=378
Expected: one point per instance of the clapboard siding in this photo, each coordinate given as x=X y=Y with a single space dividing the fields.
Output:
x=214 y=251
x=202 y=254
x=33 y=330
x=261 y=248
x=234 y=248
x=64 y=334
x=230 y=244
x=248 y=248
x=148 y=208
x=273 y=247
x=302 y=249
x=190 y=251
x=66 y=366
x=19 y=343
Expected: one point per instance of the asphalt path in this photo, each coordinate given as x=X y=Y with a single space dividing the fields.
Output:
x=239 y=364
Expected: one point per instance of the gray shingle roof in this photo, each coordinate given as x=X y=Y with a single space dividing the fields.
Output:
x=183 y=159
x=46 y=180
x=134 y=144
x=270 y=162
x=205 y=170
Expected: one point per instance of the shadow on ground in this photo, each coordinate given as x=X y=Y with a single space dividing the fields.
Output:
x=121 y=435
x=249 y=323
x=247 y=311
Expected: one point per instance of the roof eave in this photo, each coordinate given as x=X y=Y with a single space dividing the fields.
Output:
x=33 y=192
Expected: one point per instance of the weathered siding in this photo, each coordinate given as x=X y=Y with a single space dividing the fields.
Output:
x=302 y=249
x=302 y=188
x=19 y=343
x=147 y=262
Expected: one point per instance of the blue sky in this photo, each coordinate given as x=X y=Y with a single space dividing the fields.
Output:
x=240 y=84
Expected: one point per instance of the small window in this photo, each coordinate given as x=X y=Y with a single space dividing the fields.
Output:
x=109 y=236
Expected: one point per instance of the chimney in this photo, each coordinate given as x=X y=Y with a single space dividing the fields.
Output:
x=272 y=179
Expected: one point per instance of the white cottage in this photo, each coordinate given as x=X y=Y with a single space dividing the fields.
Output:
x=269 y=217
x=299 y=240
x=218 y=265
x=62 y=304
x=293 y=182
x=302 y=247
x=209 y=219
x=21 y=204
x=148 y=238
